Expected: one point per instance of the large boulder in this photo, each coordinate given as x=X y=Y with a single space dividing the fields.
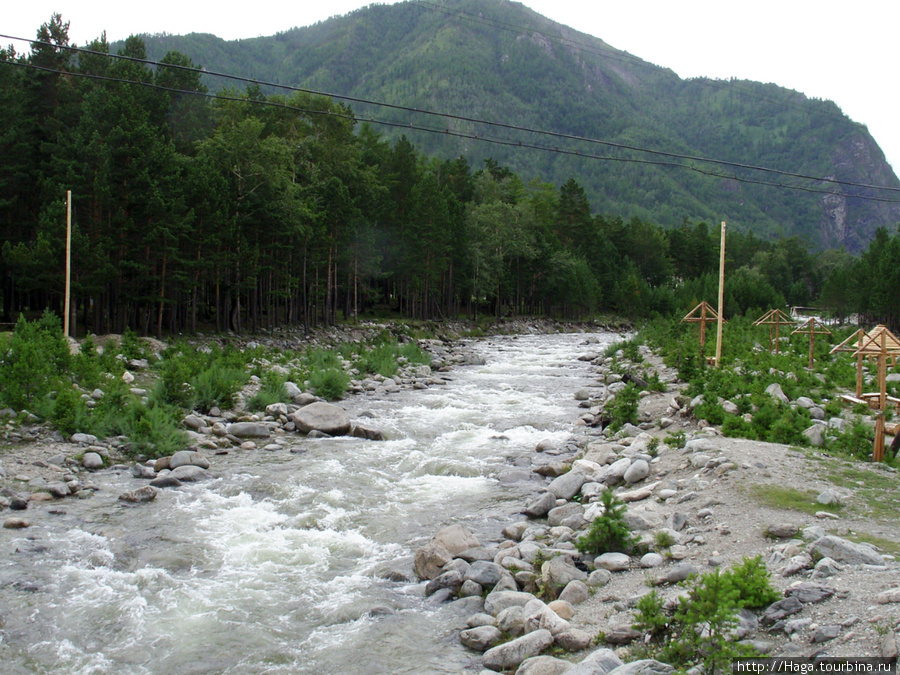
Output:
x=323 y=417
x=844 y=551
x=511 y=654
x=456 y=539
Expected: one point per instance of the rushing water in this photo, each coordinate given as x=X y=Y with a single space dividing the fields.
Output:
x=288 y=563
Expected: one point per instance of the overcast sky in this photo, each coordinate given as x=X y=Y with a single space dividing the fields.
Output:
x=844 y=52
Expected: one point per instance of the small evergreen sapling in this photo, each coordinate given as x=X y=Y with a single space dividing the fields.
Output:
x=609 y=532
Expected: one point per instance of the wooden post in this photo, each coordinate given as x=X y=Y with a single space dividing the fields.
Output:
x=702 y=326
x=859 y=363
x=882 y=379
x=721 y=297
x=878 y=451
x=68 y=261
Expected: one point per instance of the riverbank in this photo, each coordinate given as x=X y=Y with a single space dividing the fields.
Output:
x=300 y=556
x=825 y=528
x=707 y=498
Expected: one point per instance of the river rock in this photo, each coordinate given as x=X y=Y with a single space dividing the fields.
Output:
x=456 y=539
x=511 y=621
x=511 y=654
x=58 y=489
x=543 y=665
x=165 y=481
x=643 y=667
x=643 y=519
x=194 y=422
x=844 y=551
x=481 y=638
x=139 y=496
x=92 y=461
x=143 y=471
x=541 y=505
x=567 y=485
x=188 y=458
x=189 y=473
x=599 y=662
x=15 y=523
x=614 y=562
x=557 y=572
x=570 y=514
x=826 y=633
x=538 y=616
x=496 y=601
x=575 y=592
x=638 y=471
x=809 y=593
x=621 y=635
x=429 y=560
x=248 y=430
x=324 y=417
x=484 y=573
x=368 y=433
x=573 y=640
x=563 y=608
x=451 y=579
x=779 y=610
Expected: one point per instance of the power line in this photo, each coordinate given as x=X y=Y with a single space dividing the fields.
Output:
x=500 y=125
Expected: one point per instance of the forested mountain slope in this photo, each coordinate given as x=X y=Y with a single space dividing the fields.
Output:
x=499 y=61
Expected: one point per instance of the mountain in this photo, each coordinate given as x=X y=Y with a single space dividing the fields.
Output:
x=498 y=61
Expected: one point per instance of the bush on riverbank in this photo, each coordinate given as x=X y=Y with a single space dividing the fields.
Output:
x=749 y=366
x=85 y=391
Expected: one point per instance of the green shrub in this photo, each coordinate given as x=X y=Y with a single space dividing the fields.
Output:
x=155 y=430
x=857 y=440
x=623 y=409
x=36 y=361
x=701 y=630
x=131 y=346
x=609 y=531
x=216 y=386
x=649 y=616
x=271 y=391
x=751 y=579
x=69 y=412
x=330 y=383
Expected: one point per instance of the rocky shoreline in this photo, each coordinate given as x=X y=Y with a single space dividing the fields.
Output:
x=690 y=498
x=688 y=492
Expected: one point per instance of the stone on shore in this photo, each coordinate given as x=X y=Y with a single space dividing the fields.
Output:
x=92 y=461
x=323 y=417
x=513 y=653
x=248 y=430
x=139 y=496
x=844 y=551
x=188 y=458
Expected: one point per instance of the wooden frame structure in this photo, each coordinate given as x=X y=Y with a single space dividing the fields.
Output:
x=706 y=315
x=774 y=319
x=858 y=337
x=879 y=344
x=812 y=327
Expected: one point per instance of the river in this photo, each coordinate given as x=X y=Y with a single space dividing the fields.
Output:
x=293 y=562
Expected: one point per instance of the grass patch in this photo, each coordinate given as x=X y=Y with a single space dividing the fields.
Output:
x=889 y=546
x=790 y=499
x=851 y=477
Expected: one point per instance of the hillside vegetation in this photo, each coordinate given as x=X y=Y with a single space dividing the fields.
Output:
x=500 y=61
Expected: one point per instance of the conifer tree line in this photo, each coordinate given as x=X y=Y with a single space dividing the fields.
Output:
x=247 y=211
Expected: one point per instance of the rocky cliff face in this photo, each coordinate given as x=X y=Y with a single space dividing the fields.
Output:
x=848 y=219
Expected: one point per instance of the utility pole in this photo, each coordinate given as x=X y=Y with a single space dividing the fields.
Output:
x=721 y=297
x=68 y=262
